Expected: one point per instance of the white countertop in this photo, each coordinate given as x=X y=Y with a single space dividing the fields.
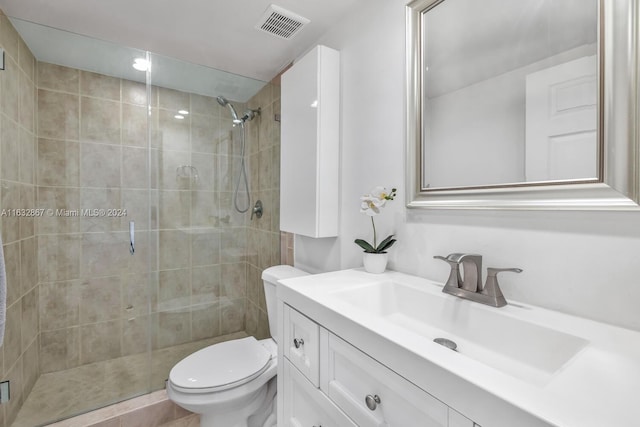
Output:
x=598 y=387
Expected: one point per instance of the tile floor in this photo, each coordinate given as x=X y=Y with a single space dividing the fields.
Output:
x=63 y=394
x=150 y=410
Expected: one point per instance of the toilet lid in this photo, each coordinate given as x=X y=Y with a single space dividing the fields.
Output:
x=221 y=364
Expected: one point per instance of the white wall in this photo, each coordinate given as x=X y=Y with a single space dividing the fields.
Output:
x=581 y=263
x=480 y=128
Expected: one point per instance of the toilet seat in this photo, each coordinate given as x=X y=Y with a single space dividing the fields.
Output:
x=220 y=366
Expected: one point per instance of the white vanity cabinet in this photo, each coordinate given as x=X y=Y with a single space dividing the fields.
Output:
x=306 y=406
x=378 y=365
x=373 y=395
x=302 y=344
x=328 y=382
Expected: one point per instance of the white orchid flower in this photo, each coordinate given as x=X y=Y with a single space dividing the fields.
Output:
x=371 y=205
x=381 y=193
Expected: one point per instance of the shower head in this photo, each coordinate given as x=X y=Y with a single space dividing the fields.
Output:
x=223 y=101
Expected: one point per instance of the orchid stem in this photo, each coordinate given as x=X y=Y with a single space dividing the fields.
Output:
x=375 y=242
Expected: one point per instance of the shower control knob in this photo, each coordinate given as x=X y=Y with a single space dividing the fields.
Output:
x=372 y=401
x=298 y=342
x=257 y=209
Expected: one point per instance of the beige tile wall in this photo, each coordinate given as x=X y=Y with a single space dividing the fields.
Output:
x=286 y=248
x=202 y=242
x=264 y=233
x=83 y=264
x=19 y=352
x=93 y=293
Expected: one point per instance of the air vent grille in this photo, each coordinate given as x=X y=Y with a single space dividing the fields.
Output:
x=280 y=22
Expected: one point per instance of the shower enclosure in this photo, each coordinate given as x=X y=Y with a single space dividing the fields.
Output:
x=132 y=253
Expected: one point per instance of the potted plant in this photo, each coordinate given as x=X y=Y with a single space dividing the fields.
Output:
x=375 y=255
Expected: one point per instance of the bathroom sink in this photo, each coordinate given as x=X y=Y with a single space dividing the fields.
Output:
x=514 y=365
x=495 y=337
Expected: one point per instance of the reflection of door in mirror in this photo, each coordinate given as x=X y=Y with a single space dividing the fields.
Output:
x=561 y=118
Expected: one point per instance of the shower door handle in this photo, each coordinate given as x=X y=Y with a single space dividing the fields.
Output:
x=132 y=241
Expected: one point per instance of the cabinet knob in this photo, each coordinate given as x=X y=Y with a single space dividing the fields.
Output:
x=372 y=401
x=298 y=342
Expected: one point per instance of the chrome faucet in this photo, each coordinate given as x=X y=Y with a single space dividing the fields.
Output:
x=454 y=279
x=470 y=286
x=472 y=267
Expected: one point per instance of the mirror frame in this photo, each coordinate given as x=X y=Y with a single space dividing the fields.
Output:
x=618 y=187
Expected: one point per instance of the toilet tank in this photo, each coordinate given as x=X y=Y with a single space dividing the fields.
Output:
x=270 y=277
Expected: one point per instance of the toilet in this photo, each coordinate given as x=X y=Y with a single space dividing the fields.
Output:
x=233 y=383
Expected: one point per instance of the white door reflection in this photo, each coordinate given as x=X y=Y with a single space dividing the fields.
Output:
x=561 y=122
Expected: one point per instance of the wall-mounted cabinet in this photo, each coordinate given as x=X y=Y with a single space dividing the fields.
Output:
x=309 y=170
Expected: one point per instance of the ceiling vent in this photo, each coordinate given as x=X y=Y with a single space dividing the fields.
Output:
x=280 y=22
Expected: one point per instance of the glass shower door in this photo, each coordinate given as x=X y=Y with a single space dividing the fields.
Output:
x=91 y=181
x=119 y=151
x=201 y=239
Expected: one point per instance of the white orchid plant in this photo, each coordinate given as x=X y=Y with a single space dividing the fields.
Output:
x=370 y=205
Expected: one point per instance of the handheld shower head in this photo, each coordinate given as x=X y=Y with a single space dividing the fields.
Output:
x=223 y=101
x=243 y=170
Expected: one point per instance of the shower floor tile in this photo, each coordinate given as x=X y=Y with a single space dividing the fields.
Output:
x=59 y=395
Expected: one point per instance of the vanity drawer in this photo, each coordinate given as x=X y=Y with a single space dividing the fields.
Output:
x=301 y=344
x=353 y=377
x=306 y=406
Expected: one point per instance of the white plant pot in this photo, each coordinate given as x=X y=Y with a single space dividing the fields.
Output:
x=375 y=263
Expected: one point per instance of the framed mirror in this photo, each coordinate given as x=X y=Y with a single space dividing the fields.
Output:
x=522 y=105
